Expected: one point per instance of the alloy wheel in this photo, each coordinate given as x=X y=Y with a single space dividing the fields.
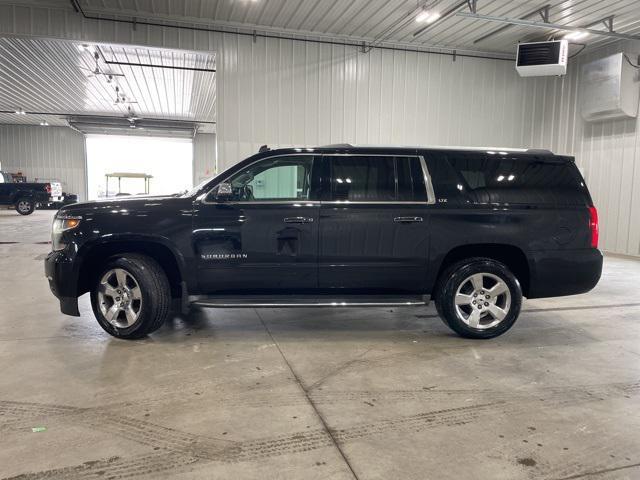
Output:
x=119 y=298
x=24 y=206
x=482 y=300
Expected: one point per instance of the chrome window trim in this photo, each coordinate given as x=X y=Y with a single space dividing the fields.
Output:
x=372 y=202
x=301 y=203
x=431 y=198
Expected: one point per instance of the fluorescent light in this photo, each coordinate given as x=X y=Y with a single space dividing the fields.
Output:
x=44 y=124
x=427 y=16
x=502 y=153
x=20 y=111
x=511 y=177
x=87 y=48
x=434 y=16
x=500 y=178
x=577 y=35
x=491 y=152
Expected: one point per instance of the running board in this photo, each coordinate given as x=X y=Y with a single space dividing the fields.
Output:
x=287 y=301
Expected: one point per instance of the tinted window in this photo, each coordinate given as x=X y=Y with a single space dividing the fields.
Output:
x=411 y=185
x=517 y=179
x=281 y=178
x=360 y=178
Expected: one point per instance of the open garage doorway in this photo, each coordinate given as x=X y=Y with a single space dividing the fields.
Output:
x=134 y=165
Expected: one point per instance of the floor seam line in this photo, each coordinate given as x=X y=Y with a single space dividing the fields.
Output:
x=309 y=400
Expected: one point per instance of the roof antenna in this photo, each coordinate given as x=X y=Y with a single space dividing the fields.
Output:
x=263 y=148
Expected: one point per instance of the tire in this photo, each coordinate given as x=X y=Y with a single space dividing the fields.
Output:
x=124 y=311
x=25 y=206
x=484 y=319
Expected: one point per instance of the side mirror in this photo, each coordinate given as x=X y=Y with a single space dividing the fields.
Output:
x=223 y=192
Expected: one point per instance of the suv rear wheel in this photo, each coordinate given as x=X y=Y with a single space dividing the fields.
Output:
x=131 y=296
x=479 y=298
x=25 y=206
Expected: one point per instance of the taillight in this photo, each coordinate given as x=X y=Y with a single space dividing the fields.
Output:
x=48 y=188
x=593 y=226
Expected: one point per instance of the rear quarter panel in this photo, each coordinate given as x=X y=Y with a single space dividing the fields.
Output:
x=550 y=233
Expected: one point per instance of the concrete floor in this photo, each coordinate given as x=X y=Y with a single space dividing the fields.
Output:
x=305 y=394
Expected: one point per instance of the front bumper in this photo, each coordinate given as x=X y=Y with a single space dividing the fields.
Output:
x=557 y=273
x=62 y=277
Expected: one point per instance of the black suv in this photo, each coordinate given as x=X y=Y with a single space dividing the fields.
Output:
x=340 y=225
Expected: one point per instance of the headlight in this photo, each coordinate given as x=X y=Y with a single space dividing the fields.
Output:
x=61 y=225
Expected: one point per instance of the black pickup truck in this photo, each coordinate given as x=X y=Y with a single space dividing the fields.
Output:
x=476 y=230
x=26 y=196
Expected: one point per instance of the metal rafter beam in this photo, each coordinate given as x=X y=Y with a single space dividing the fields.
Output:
x=606 y=21
x=542 y=11
x=550 y=26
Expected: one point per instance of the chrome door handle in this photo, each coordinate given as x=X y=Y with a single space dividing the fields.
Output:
x=407 y=219
x=298 y=220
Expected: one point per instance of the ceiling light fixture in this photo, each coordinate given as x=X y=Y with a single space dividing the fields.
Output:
x=20 y=111
x=87 y=48
x=44 y=124
x=577 y=35
x=427 y=16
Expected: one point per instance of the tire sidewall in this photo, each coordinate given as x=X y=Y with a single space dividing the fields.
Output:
x=464 y=272
x=32 y=206
x=147 y=309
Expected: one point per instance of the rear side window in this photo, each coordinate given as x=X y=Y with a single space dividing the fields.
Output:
x=361 y=178
x=518 y=179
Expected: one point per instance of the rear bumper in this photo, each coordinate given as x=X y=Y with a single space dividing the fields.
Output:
x=558 y=273
x=58 y=268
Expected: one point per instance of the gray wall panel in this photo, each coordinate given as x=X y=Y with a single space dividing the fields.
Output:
x=45 y=153
x=204 y=156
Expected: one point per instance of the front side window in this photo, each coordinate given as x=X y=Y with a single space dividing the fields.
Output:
x=274 y=179
x=361 y=178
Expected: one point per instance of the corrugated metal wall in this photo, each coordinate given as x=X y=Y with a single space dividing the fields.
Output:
x=283 y=92
x=45 y=153
x=608 y=152
x=204 y=156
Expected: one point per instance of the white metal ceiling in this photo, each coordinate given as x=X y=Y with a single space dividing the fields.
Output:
x=373 y=20
x=49 y=79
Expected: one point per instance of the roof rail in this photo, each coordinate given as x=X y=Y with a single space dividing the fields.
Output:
x=337 y=145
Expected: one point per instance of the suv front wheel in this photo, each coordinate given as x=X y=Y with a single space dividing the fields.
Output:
x=479 y=298
x=131 y=296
